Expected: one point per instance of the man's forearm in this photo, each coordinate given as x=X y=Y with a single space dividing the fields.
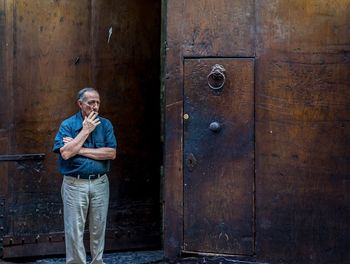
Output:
x=98 y=153
x=72 y=148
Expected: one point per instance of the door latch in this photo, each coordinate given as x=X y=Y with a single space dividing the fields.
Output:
x=215 y=127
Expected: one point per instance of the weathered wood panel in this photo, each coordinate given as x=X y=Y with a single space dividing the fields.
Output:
x=173 y=208
x=48 y=61
x=125 y=63
x=51 y=62
x=219 y=164
x=5 y=107
x=194 y=28
x=303 y=131
x=4 y=92
x=217 y=28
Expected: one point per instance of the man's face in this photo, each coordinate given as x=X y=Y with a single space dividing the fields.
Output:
x=90 y=103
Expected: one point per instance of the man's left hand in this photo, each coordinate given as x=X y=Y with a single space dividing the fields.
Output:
x=67 y=140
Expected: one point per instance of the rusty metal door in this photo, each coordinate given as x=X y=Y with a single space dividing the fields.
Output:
x=219 y=156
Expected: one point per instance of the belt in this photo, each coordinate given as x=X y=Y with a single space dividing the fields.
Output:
x=87 y=176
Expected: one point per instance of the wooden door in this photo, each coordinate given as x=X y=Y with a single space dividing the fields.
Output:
x=50 y=50
x=219 y=156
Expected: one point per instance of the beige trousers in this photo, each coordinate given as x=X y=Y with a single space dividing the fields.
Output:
x=81 y=198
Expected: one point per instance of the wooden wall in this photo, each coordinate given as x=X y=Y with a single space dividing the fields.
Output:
x=302 y=132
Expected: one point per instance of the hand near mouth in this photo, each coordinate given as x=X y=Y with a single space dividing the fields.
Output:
x=90 y=122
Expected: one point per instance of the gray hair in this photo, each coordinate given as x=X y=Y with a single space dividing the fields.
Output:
x=81 y=93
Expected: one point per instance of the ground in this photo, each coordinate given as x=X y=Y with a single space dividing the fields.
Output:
x=139 y=257
x=142 y=257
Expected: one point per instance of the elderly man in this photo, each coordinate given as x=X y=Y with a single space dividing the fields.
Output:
x=86 y=144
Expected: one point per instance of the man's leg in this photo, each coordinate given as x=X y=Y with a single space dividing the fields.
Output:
x=75 y=196
x=98 y=217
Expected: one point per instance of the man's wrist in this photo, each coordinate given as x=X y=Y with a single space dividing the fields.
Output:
x=86 y=131
x=81 y=151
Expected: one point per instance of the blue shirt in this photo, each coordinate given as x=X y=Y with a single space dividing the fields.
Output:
x=102 y=136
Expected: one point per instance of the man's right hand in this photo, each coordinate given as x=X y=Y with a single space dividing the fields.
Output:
x=91 y=122
x=72 y=147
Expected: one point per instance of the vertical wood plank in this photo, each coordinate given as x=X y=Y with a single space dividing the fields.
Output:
x=4 y=91
x=6 y=103
x=173 y=196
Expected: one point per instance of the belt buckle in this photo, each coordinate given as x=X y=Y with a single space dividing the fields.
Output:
x=91 y=176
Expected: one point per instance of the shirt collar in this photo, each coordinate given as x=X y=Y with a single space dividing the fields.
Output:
x=78 y=122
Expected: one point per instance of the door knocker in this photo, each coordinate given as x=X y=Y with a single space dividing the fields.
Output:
x=216 y=78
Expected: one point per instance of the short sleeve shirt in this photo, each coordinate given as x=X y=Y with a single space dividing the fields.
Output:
x=102 y=136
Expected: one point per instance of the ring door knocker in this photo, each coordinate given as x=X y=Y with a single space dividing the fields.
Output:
x=216 y=78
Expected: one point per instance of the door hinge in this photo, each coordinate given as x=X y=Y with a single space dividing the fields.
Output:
x=21 y=157
x=29 y=162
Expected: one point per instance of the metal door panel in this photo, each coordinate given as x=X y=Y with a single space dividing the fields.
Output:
x=219 y=164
